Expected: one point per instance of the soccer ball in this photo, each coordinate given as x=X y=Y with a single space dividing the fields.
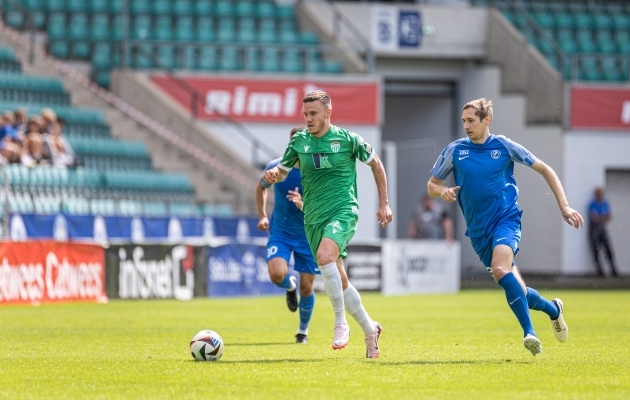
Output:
x=206 y=346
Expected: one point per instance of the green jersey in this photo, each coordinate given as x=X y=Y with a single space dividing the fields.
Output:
x=328 y=168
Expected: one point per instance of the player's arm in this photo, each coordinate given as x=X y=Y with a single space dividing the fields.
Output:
x=280 y=171
x=384 y=213
x=261 y=207
x=436 y=188
x=275 y=175
x=295 y=197
x=571 y=216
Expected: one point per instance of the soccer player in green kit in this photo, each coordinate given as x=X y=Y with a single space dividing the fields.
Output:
x=327 y=157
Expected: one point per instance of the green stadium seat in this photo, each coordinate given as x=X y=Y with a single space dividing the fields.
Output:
x=309 y=38
x=155 y=209
x=35 y=5
x=229 y=59
x=116 y=32
x=78 y=28
x=143 y=56
x=188 y=57
x=225 y=30
x=161 y=7
x=585 y=42
x=267 y=31
x=77 y=206
x=332 y=67
x=251 y=59
x=205 y=29
x=184 y=30
x=265 y=9
x=59 y=49
x=557 y=7
x=223 y=210
x=163 y=28
x=141 y=27
x=99 y=6
x=74 y=6
x=7 y=53
x=285 y=11
x=56 y=26
x=101 y=77
x=15 y=19
x=621 y=22
x=246 y=31
x=207 y=58
x=224 y=8
x=139 y=6
x=610 y=72
x=245 y=9
x=582 y=21
x=545 y=46
x=203 y=7
x=576 y=7
x=292 y=60
x=605 y=42
x=602 y=21
x=563 y=21
x=129 y=207
x=165 y=57
x=99 y=28
x=613 y=8
x=55 y=5
x=183 y=7
x=182 y=209
x=270 y=59
x=102 y=55
x=115 y=6
x=537 y=6
x=81 y=50
x=288 y=37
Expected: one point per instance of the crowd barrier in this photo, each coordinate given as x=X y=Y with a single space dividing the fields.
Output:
x=49 y=271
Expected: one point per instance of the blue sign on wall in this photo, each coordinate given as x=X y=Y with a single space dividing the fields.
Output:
x=409 y=29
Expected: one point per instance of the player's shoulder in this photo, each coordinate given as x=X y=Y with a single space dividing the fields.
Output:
x=300 y=136
x=502 y=140
x=338 y=133
x=273 y=163
x=459 y=142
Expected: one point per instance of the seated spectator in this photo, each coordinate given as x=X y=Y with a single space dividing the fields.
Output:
x=7 y=131
x=34 y=152
x=20 y=120
x=61 y=152
x=49 y=120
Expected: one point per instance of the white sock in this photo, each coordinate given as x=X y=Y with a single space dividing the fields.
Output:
x=355 y=308
x=332 y=286
x=293 y=284
x=305 y=332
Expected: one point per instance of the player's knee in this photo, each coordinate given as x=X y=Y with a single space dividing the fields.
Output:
x=276 y=276
x=500 y=270
x=325 y=256
x=306 y=288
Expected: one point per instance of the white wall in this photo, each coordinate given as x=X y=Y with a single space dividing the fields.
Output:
x=542 y=224
x=587 y=156
x=276 y=136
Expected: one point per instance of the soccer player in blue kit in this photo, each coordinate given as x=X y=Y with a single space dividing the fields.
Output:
x=286 y=235
x=485 y=188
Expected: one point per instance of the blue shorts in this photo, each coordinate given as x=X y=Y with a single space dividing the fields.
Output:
x=507 y=232
x=281 y=246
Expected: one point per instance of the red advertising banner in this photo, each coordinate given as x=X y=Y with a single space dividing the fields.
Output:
x=268 y=100
x=600 y=107
x=46 y=272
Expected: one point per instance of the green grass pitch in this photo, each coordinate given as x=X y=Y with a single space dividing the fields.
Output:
x=467 y=345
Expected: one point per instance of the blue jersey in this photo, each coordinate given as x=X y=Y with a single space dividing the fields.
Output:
x=286 y=219
x=485 y=175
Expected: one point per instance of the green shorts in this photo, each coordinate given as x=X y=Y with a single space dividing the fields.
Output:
x=340 y=228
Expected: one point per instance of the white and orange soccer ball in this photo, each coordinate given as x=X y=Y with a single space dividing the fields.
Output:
x=207 y=345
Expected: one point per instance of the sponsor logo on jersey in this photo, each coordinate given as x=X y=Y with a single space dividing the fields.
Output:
x=335 y=146
x=463 y=152
x=495 y=154
x=320 y=160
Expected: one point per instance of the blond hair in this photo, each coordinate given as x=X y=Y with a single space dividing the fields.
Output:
x=482 y=107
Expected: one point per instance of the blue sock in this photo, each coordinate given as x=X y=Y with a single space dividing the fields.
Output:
x=539 y=303
x=286 y=282
x=517 y=300
x=306 y=310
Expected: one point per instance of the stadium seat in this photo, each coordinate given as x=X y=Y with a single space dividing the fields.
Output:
x=544 y=19
x=621 y=22
x=224 y=8
x=162 y=7
x=56 y=26
x=270 y=59
x=80 y=50
x=141 y=27
x=15 y=19
x=605 y=42
x=622 y=39
x=229 y=59
x=75 y=6
x=251 y=59
x=563 y=21
x=182 y=7
x=267 y=31
x=165 y=57
x=184 y=29
x=589 y=70
x=205 y=29
x=115 y=6
x=99 y=27
x=225 y=30
x=602 y=21
x=143 y=56
x=139 y=6
x=246 y=32
x=285 y=11
x=582 y=21
x=265 y=9
x=78 y=26
x=207 y=58
x=245 y=9
x=585 y=42
x=163 y=28
x=55 y=5
x=309 y=38
x=203 y=7
x=99 y=6
x=291 y=60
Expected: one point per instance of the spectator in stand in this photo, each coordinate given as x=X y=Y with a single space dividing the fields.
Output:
x=34 y=152
x=10 y=145
x=599 y=217
x=61 y=152
x=20 y=120
x=50 y=122
x=430 y=221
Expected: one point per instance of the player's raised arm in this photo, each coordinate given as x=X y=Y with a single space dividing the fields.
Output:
x=384 y=213
x=571 y=216
x=436 y=188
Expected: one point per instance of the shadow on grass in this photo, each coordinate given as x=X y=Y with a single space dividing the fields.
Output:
x=456 y=362
x=283 y=361
x=261 y=344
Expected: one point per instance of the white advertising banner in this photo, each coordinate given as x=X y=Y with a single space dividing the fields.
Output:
x=420 y=266
x=384 y=27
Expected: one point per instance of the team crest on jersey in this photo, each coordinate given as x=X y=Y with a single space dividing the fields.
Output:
x=335 y=146
x=495 y=154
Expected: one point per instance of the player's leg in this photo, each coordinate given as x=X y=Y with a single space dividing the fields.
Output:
x=594 y=240
x=609 y=253
x=278 y=256
x=307 y=267
x=327 y=255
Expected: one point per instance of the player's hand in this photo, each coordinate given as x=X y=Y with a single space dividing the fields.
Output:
x=450 y=194
x=572 y=217
x=384 y=215
x=271 y=175
x=296 y=198
x=263 y=224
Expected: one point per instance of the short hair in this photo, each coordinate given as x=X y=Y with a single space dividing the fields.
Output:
x=296 y=130
x=318 y=95
x=482 y=107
